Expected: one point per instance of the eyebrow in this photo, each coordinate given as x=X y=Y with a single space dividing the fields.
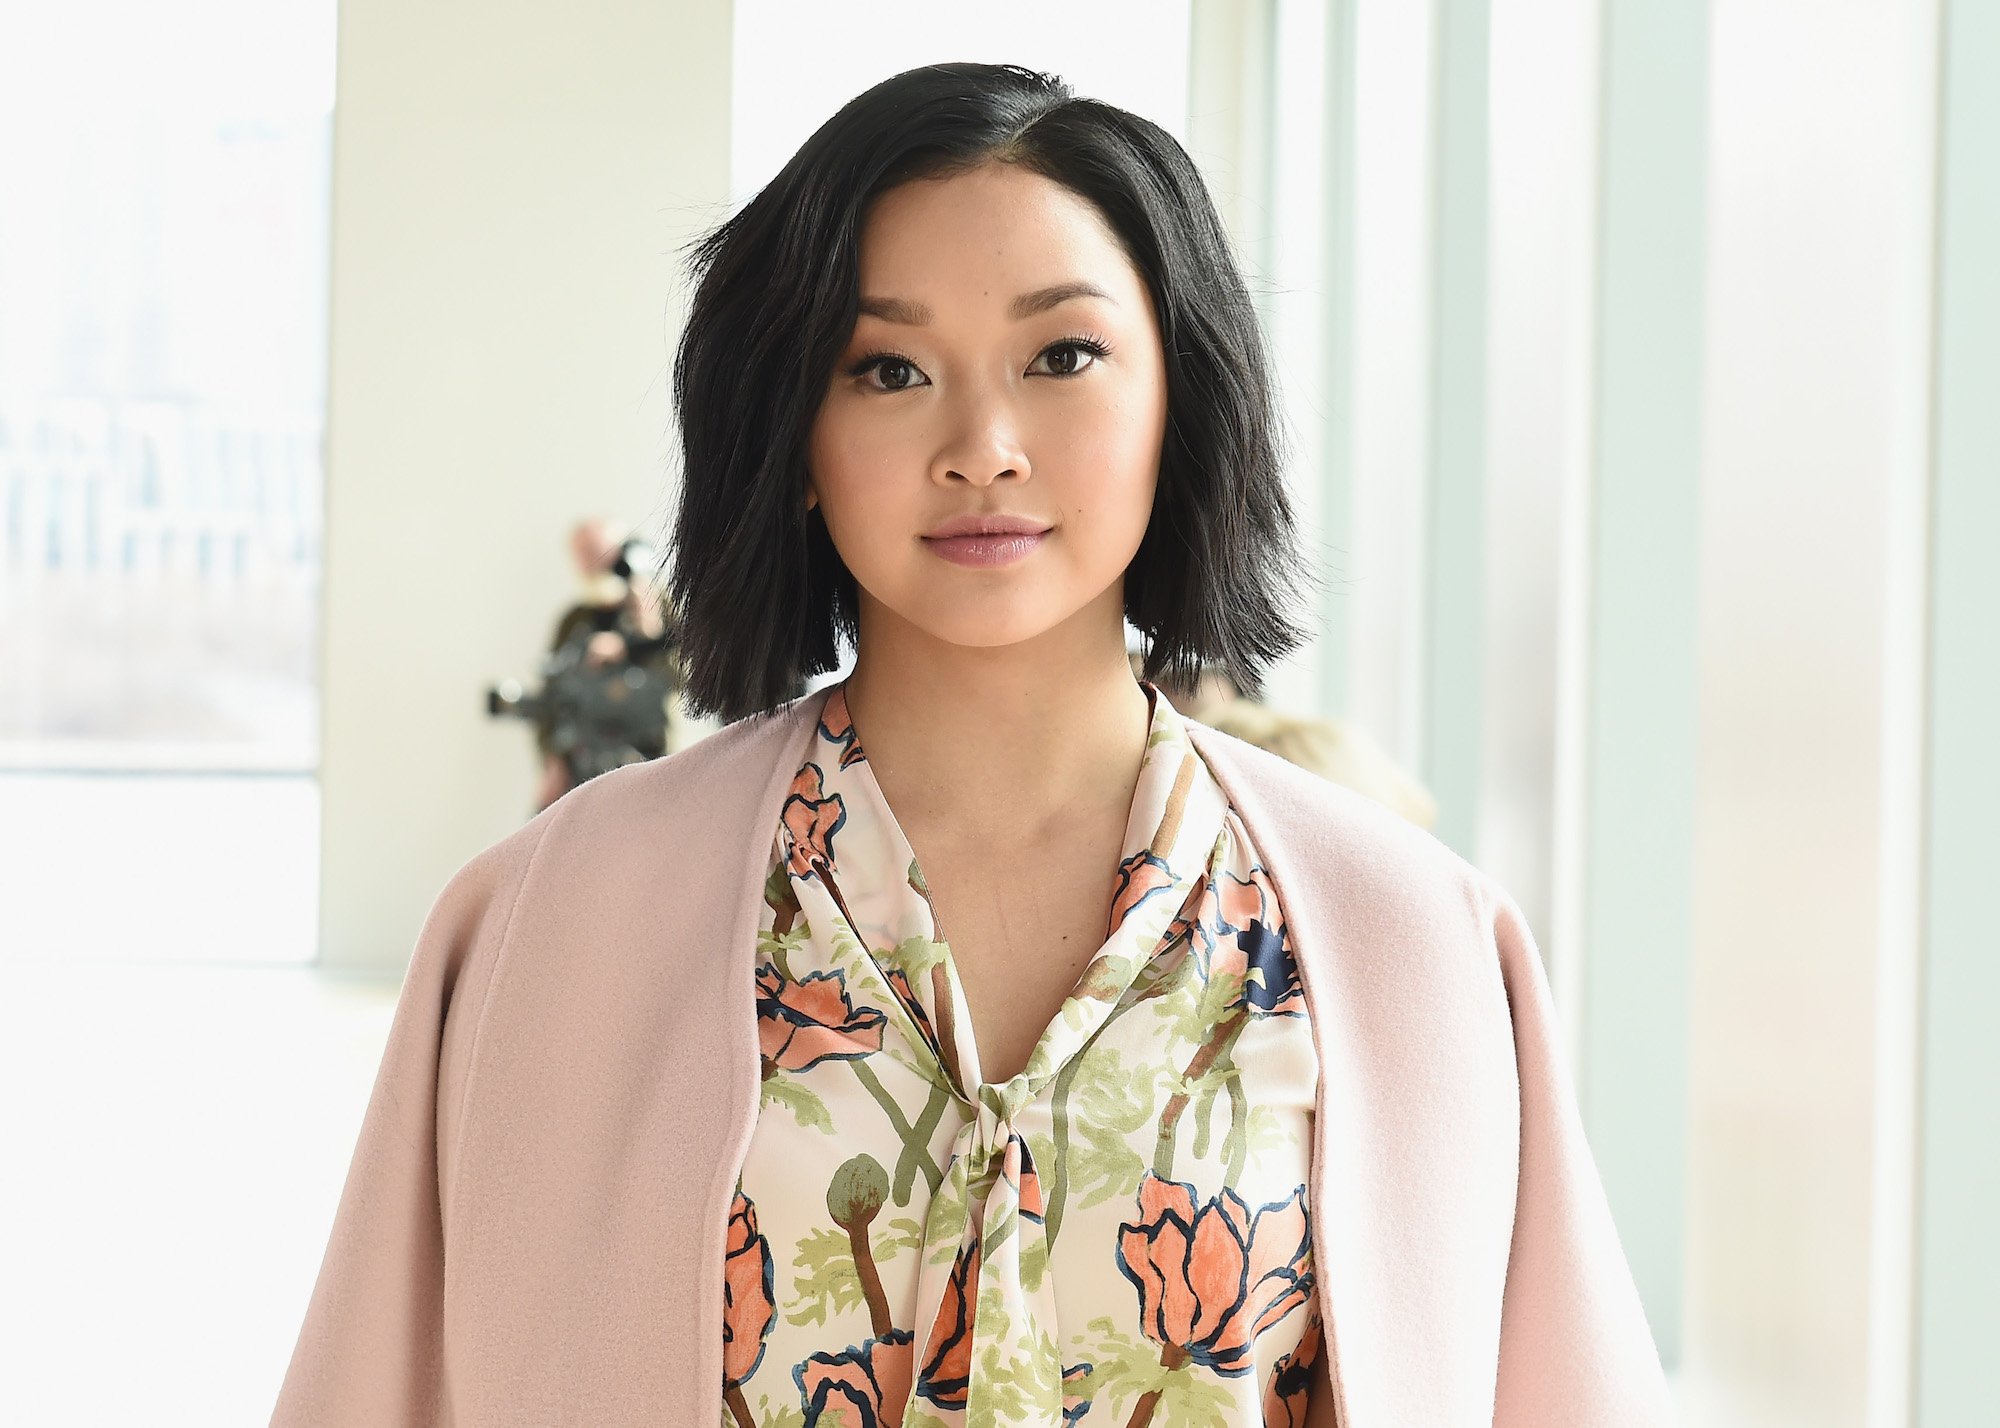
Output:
x=916 y=314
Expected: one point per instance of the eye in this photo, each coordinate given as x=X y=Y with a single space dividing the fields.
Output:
x=895 y=365
x=890 y=361
x=1094 y=346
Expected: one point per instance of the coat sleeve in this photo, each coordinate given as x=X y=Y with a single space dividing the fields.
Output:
x=371 y=1348
x=1575 y=1347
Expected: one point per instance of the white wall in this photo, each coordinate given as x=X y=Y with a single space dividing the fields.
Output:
x=510 y=188
x=798 y=61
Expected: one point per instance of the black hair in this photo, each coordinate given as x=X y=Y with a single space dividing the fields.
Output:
x=760 y=592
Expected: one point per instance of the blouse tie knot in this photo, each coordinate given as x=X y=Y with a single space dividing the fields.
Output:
x=996 y=1275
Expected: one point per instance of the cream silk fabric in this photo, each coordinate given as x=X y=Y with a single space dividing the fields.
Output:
x=1118 y=1234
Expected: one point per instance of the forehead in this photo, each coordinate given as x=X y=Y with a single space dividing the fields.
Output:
x=979 y=239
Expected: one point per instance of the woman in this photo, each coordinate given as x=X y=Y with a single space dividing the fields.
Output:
x=977 y=1040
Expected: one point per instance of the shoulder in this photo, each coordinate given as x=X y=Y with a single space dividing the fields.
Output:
x=1329 y=839
x=672 y=836
x=692 y=790
x=644 y=821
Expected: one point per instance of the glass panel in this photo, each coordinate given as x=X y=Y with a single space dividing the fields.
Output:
x=164 y=181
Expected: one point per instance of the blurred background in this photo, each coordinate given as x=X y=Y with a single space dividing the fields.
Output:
x=1641 y=361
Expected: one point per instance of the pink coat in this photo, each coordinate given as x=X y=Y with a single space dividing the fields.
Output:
x=531 y=1231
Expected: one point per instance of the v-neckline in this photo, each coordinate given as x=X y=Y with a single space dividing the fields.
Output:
x=1173 y=825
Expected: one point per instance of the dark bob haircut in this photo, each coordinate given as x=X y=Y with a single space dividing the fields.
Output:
x=760 y=595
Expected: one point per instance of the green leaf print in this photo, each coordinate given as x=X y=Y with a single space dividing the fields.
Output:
x=847 y=951
x=998 y=1229
x=917 y=955
x=917 y=1147
x=1041 y=1062
x=1019 y=1372
x=1193 y=1398
x=947 y=1228
x=1123 y=1370
x=788 y=1414
x=1105 y=1165
x=1268 y=1131
x=1196 y=1016
x=777 y=947
x=1100 y=1101
x=1034 y=1260
x=809 y=1110
x=1211 y=1060
x=1237 y=1145
x=926 y=1069
x=1204 y=1118
x=1107 y=978
x=829 y=1282
x=905 y=1234
x=916 y=1139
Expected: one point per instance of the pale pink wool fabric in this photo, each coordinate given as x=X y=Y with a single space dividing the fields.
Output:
x=532 y=1228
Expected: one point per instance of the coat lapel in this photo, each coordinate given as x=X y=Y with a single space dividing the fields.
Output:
x=616 y=1083
x=1415 y=1152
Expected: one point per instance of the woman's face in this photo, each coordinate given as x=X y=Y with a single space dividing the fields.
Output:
x=963 y=392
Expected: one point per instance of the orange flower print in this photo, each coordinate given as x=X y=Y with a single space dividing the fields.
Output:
x=1139 y=877
x=948 y=1368
x=800 y=1024
x=1075 y=1404
x=866 y=1386
x=747 y=1305
x=1017 y=1169
x=1286 y=1395
x=899 y=986
x=1243 y=932
x=836 y=726
x=811 y=817
x=1212 y=1277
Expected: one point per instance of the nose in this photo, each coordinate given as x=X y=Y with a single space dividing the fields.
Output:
x=983 y=446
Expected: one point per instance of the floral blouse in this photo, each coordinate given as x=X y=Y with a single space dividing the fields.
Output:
x=1117 y=1235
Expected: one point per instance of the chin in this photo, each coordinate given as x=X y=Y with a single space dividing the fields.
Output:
x=987 y=635
x=981 y=628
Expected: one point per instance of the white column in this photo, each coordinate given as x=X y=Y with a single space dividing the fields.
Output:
x=1822 y=142
x=1390 y=397
x=1957 y=1269
x=1541 y=370
x=1634 y=840
x=1451 y=697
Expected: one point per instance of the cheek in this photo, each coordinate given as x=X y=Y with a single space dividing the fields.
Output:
x=863 y=499
x=1113 y=464
x=840 y=464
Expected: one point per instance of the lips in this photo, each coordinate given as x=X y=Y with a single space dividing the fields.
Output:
x=996 y=524
x=1003 y=549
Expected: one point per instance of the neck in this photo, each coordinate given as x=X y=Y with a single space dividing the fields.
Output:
x=1028 y=737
